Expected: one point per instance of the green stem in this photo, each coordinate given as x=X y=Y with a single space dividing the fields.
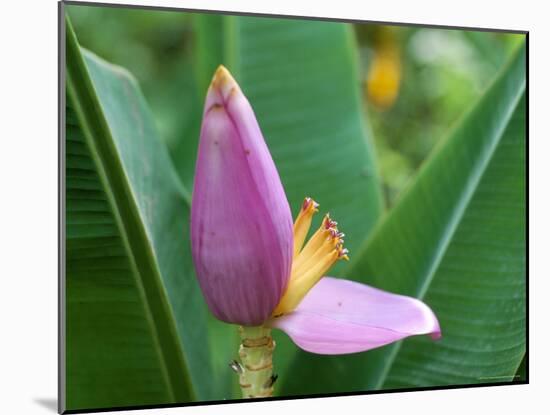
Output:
x=256 y=370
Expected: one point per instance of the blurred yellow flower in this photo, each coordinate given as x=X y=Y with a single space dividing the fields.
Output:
x=384 y=75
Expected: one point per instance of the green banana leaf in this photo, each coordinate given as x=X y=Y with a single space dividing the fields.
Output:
x=456 y=239
x=135 y=329
x=302 y=80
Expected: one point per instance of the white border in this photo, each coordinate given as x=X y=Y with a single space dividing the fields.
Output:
x=28 y=217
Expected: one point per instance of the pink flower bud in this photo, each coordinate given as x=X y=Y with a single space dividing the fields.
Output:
x=241 y=224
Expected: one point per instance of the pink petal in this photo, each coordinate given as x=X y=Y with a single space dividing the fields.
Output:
x=241 y=224
x=341 y=316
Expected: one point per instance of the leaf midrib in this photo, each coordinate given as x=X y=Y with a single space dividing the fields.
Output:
x=447 y=237
x=83 y=90
x=455 y=219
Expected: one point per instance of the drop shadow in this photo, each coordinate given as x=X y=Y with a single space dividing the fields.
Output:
x=48 y=403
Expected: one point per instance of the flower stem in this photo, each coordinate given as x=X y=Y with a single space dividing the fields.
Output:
x=256 y=351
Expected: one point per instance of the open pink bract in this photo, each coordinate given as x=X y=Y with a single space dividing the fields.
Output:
x=341 y=316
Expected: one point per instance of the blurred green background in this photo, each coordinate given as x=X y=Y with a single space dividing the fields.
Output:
x=416 y=82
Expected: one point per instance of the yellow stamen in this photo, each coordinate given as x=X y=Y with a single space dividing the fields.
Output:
x=299 y=287
x=314 y=243
x=303 y=223
x=308 y=261
x=324 y=248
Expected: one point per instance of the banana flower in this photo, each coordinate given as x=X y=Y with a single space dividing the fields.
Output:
x=258 y=270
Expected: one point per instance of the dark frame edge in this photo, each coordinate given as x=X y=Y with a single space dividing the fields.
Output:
x=294 y=397
x=285 y=16
x=61 y=332
x=527 y=207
